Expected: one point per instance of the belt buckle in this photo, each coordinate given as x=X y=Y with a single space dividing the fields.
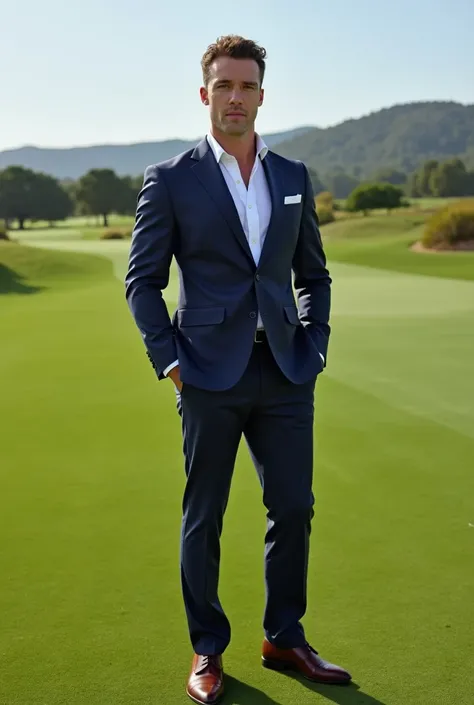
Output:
x=256 y=338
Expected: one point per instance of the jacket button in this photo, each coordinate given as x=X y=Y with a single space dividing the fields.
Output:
x=252 y=314
x=257 y=277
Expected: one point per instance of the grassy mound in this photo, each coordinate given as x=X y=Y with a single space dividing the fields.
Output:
x=452 y=227
x=28 y=269
x=385 y=242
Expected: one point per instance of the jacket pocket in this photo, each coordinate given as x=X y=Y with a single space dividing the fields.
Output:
x=200 y=316
x=291 y=313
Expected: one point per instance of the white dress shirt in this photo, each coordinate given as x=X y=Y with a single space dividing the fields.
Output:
x=253 y=203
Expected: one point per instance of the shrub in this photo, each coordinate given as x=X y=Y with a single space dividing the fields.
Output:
x=367 y=197
x=3 y=232
x=325 y=215
x=325 y=199
x=450 y=226
x=115 y=234
x=325 y=207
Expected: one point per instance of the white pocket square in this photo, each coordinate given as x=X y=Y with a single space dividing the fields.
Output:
x=289 y=200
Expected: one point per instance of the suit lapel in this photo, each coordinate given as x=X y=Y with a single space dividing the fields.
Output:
x=276 y=194
x=208 y=171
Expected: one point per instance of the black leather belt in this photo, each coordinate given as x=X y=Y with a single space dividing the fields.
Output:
x=260 y=336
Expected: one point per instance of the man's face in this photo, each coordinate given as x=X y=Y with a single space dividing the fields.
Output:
x=233 y=94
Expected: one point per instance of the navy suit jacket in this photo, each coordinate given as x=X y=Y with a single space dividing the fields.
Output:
x=185 y=210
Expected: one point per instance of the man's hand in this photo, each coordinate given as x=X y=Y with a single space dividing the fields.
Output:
x=175 y=378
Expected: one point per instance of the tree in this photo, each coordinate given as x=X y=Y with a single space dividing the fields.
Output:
x=316 y=182
x=451 y=178
x=29 y=195
x=17 y=199
x=70 y=188
x=128 y=200
x=391 y=196
x=52 y=202
x=341 y=184
x=367 y=197
x=420 y=180
x=470 y=183
x=100 y=192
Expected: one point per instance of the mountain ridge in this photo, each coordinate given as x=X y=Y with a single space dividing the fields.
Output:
x=400 y=136
x=126 y=159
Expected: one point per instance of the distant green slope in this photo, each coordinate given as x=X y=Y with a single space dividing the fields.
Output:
x=384 y=242
x=130 y=159
x=26 y=270
x=401 y=137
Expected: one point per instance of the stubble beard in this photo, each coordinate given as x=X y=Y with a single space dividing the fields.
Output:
x=235 y=129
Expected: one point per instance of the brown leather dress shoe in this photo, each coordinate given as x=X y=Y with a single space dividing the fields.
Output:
x=206 y=680
x=306 y=661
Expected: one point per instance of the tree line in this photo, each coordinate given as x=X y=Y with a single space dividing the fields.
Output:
x=29 y=195
x=33 y=196
x=434 y=178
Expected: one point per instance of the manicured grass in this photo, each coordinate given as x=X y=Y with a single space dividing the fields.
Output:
x=92 y=478
x=384 y=242
x=91 y=227
x=82 y=228
x=429 y=203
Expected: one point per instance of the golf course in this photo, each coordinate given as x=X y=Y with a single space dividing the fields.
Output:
x=91 y=482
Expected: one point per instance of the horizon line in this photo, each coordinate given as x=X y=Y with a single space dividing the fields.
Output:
x=275 y=132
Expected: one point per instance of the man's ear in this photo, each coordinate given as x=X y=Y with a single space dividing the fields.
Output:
x=262 y=96
x=204 y=95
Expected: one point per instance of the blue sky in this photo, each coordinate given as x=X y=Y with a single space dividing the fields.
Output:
x=80 y=72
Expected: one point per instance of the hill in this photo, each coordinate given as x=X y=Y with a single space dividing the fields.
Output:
x=30 y=270
x=131 y=159
x=401 y=137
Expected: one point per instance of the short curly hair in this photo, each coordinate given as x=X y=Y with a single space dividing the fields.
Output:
x=237 y=48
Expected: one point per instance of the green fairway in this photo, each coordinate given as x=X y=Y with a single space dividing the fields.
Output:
x=92 y=478
x=384 y=242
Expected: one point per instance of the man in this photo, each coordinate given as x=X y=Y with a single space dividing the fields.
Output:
x=238 y=219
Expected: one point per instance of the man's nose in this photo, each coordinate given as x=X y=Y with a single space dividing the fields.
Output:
x=235 y=97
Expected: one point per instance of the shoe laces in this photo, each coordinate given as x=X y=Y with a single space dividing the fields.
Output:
x=208 y=662
x=311 y=649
